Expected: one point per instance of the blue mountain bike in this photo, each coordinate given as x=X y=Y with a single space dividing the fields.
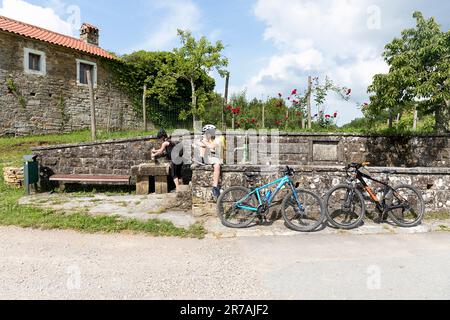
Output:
x=240 y=207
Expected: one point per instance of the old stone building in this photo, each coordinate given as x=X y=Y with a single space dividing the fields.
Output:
x=43 y=82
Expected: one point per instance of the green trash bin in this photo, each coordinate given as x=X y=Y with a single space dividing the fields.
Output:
x=30 y=172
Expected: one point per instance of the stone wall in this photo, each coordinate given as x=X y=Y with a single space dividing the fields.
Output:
x=106 y=157
x=13 y=177
x=433 y=182
x=55 y=102
x=341 y=148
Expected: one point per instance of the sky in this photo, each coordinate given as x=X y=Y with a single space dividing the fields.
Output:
x=273 y=45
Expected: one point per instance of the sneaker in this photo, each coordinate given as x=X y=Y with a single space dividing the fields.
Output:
x=216 y=192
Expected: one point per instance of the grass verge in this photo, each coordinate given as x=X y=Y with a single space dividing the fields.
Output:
x=13 y=214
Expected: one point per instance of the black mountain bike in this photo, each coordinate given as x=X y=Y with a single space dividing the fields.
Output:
x=345 y=203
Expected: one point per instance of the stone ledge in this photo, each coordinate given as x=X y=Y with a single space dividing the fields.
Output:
x=310 y=168
x=90 y=144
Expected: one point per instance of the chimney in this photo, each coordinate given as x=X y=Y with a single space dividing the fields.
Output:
x=89 y=34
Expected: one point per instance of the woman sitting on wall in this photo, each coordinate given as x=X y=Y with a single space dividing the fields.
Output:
x=209 y=142
x=167 y=146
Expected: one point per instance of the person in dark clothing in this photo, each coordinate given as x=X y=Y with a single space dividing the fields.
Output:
x=167 y=146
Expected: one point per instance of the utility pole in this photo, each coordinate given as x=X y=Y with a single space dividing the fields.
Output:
x=227 y=83
x=309 y=103
x=144 y=107
x=91 y=98
x=263 y=118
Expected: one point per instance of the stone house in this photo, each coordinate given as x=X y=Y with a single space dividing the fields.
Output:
x=43 y=82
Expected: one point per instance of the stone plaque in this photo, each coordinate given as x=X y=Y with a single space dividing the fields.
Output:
x=325 y=151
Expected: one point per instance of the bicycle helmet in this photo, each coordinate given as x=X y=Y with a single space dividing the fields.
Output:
x=209 y=127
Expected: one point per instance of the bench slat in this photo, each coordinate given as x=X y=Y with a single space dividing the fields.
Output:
x=89 y=178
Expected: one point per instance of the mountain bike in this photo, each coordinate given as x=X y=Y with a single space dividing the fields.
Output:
x=239 y=207
x=345 y=203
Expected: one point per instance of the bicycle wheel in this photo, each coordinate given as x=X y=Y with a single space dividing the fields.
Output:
x=306 y=218
x=345 y=207
x=231 y=216
x=412 y=214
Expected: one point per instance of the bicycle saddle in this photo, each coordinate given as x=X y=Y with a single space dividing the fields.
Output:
x=250 y=176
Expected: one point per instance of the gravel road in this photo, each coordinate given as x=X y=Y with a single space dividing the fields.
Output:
x=68 y=265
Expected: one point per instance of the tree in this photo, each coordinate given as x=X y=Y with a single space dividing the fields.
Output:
x=419 y=72
x=167 y=94
x=194 y=59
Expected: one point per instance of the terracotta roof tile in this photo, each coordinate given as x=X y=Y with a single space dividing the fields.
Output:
x=34 y=32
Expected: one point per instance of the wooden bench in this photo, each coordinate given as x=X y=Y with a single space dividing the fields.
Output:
x=90 y=179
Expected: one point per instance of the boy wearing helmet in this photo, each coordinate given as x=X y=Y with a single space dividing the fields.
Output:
x=167 y=146
x=209 y=142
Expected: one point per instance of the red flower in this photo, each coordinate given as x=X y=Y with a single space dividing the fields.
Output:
x=349 y=91
x=327 y=116
x=229 y=108
x=335 y=115
x=254 y=120
x=278 y=122
x=294 y=92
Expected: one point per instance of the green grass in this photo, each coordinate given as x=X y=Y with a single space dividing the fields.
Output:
x=13 y=214
x=437 y=215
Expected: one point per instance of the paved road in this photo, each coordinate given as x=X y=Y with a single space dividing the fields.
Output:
x=67 y=265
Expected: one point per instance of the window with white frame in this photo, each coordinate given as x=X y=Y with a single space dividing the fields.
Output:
x=82 y=67
x=34 y=62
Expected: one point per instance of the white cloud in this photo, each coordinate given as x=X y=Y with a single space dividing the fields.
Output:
x=173 y=15
x=44 y=17
x=319 y=38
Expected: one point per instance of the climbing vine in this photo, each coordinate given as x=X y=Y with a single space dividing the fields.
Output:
x=12 y=87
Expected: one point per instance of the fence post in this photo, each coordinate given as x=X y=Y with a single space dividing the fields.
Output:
x=415 y=119
x=227 y=83
x=309 y=102
x=144 y=107
x=91 y=98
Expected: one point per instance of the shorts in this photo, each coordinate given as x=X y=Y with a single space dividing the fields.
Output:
x=175 y=170
x=212 y=161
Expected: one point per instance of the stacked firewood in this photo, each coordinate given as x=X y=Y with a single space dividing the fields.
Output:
x=13 y=177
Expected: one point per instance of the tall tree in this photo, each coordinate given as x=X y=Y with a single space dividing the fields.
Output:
x=419 y=73
x=168 y=95
x=194 y=58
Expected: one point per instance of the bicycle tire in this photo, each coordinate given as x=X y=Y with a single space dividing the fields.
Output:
x=221 y=209
x=288 y=221
x=359 y=197
x=421 y=213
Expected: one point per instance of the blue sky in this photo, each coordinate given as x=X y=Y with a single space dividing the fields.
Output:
x=273 y=45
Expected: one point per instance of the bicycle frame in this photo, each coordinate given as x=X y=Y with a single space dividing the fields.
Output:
x=280 y=182
x=360 y=177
